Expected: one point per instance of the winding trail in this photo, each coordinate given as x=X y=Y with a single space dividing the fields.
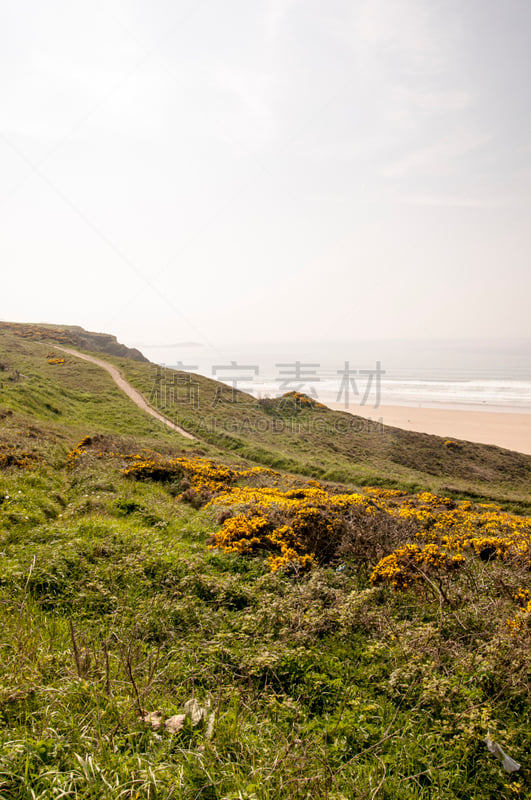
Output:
x=129 y=390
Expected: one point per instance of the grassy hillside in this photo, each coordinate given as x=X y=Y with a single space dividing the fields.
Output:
x=288 y=435
x=180 y=621
x=331 y=445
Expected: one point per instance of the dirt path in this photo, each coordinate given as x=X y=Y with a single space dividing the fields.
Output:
x=126 y=387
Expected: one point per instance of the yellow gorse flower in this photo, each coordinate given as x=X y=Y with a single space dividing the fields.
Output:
x=293 y=524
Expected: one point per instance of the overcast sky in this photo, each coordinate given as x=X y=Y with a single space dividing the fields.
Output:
x=267 y=169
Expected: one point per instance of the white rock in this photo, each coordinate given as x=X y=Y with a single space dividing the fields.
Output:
x=153 y=718
x=194 y=710
x=174 y=724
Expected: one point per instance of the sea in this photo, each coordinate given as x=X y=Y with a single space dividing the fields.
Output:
x=487 y=374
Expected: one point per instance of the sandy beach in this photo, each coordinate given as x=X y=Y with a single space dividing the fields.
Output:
x=505 y=429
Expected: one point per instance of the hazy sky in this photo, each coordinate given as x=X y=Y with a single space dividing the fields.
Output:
x=267 y=169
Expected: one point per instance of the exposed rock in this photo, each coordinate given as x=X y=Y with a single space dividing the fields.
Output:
x=195 y=711
x=175 y=724
x=153 y=718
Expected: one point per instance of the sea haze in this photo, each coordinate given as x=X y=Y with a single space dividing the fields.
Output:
x=493 y=375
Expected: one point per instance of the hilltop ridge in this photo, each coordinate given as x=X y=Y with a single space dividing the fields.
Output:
x=73 y=335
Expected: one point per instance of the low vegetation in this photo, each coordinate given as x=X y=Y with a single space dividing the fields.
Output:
x=184 y=622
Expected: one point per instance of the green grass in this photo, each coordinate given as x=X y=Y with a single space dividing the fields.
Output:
x=80 y=398
x=315 y=685
x=320 y=686
x=337 y=446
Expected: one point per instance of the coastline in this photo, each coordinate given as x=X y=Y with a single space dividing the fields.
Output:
x=508 y=429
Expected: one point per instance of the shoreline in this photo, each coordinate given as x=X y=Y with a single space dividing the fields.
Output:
x=508 y=429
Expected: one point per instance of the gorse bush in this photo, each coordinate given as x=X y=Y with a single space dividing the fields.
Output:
x=411 y=564
x=13 y=456
x=178 y=626
x=301 y=527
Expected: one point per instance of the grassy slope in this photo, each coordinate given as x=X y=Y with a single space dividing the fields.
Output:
x=322 y=686
x=321 y=443
x=337 y=446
